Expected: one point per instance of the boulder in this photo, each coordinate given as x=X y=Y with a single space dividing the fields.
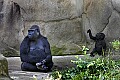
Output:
x=4 y=75
x=11 y=29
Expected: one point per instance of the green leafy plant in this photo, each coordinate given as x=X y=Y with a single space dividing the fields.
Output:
x=84 y=49
x=101 y=68
x=97 y=69
x=115 y=45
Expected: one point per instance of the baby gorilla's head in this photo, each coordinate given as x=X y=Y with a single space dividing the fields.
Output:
x=100 y=36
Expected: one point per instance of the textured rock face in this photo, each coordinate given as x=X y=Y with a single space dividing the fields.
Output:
x=11 y=28
x=59 y=21
x=103 y=16
x=63 y=22
x=3 y=68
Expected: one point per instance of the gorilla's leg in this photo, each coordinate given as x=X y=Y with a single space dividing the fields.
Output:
x=99 y=51
x=49 y=66
x=28 y=67
x=32 y=67
x=92 y=53
x=102 y=52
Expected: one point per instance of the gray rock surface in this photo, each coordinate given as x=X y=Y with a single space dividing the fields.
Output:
x=63 y=22
x=48 y=10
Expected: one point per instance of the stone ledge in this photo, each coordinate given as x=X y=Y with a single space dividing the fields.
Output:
x=60 y=62
x=14 y=64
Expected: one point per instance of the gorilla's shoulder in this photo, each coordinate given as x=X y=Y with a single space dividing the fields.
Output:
x=25 y=41
x=44 y=37
x=26 y=38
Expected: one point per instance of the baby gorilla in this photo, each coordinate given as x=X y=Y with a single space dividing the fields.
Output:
x=100 y=44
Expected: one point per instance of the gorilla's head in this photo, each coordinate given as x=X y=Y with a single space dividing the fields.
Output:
x=100 y=36
x=34 y=32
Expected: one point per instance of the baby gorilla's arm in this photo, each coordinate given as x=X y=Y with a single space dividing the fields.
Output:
x=90 y=35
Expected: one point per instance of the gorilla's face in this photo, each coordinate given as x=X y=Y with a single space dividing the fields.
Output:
x=33 y=34
x=100 y=36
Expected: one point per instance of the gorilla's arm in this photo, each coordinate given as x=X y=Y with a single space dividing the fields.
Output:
x=24 y=50
x=47 y=51
x=90 y=35
x=28 y=58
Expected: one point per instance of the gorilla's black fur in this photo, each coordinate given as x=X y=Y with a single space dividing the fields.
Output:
x=40 y=56
x=100 y=44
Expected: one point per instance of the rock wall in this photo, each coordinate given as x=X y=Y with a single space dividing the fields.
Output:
x=103 y=16
x=63 y=22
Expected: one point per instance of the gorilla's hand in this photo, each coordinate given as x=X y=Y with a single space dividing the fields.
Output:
x=89 y=31
x=41 y=63
x=44 y=61
x=44 y=67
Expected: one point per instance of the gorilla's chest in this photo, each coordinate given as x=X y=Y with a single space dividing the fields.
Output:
x=37 y=49
x=36 y=45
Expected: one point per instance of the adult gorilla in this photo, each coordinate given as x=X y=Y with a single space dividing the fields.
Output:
x=35 y=52
x=100 y=44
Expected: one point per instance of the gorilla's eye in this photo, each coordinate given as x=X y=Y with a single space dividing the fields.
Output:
x=30 y=30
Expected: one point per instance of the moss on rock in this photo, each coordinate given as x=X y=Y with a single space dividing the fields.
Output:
x=58 y=50
x=10 y=53
x=4 y=68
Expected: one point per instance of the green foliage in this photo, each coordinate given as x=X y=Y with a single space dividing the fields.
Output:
x=115 y=45
x=97 y=69
x=101 y=68
x=84 y=49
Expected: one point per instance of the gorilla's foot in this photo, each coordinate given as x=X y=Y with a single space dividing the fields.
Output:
x=43 y=68
x=92 y=55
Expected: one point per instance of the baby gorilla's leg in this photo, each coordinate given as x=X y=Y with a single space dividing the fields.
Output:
x=92 y=53
x=99 y=50
x=28 y=67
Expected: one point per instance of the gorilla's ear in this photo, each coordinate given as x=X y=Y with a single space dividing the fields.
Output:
x=38 y=33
